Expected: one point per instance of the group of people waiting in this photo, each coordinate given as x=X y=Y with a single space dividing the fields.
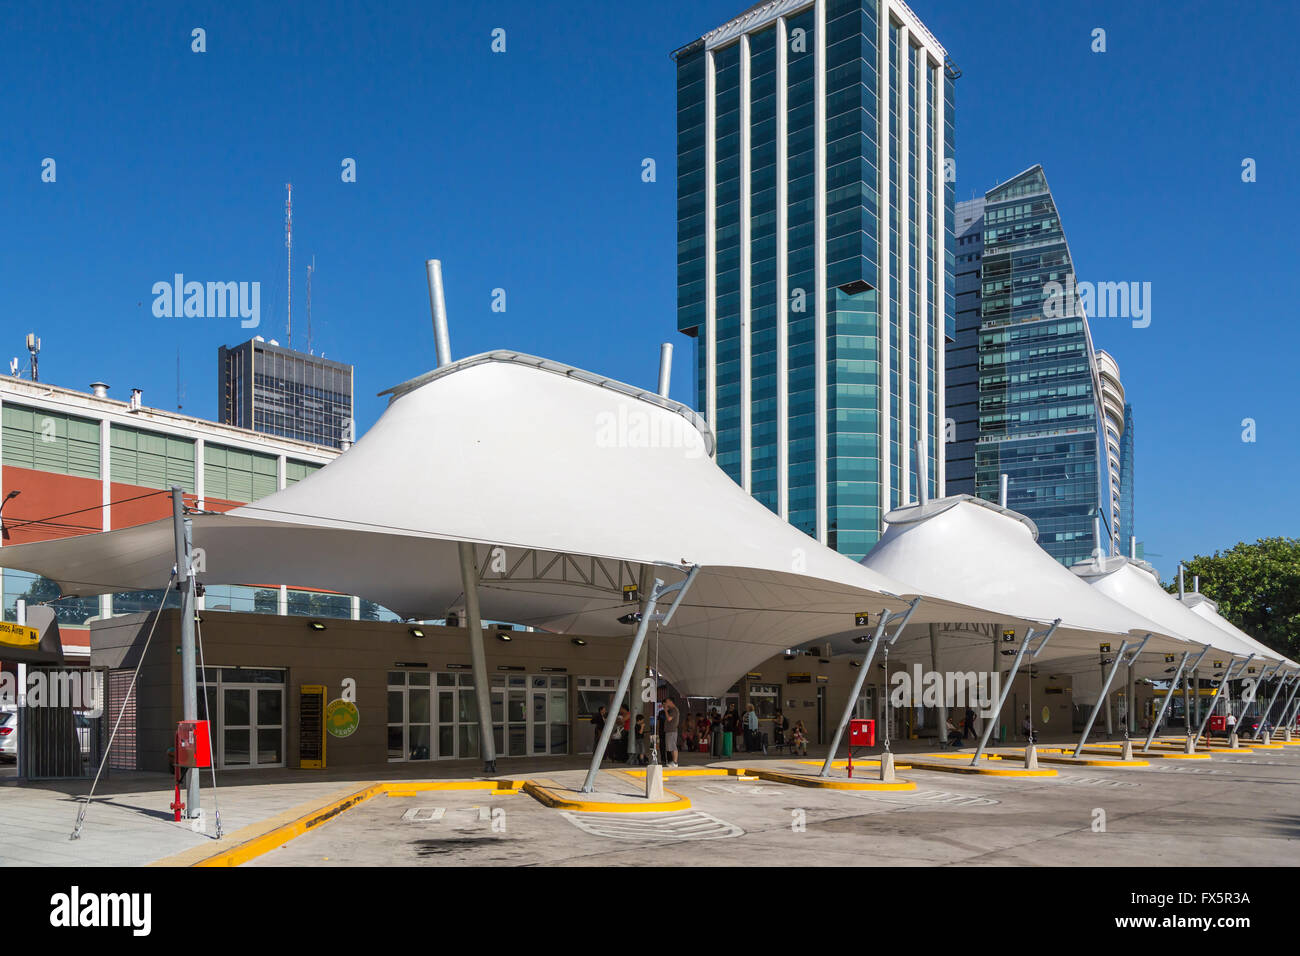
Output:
x=703 y=732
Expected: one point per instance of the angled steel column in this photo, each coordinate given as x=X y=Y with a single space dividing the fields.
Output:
x=991 y=719
x=658 y=591
x=1264 y=675
x=1155 y=724
x=1105 y=690
x=477 y=655
x=1288 y=715
x=853 y=694
x=1269 y=709
x=861 y=679
x=1223 y=683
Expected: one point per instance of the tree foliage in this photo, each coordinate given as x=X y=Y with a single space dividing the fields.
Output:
x=1257 y=588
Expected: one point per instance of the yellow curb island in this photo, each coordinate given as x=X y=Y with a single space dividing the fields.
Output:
x=259 y=838
x=560 y=801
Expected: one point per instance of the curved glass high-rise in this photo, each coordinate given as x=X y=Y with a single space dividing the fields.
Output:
x=1050 y=406
x=814 y=256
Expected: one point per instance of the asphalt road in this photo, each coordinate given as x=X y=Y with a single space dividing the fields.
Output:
x=1231 y=811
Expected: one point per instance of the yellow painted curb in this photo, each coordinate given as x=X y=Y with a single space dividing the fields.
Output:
x=502 y=788
x=693 y=772
x=985 y=771
x=843 y=764
x=801 y=780
x=553 y=800
x=277 y=836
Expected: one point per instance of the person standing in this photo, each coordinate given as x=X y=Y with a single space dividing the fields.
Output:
x=780 y=724
x=968 y=724
x=751 y=729
x=672 y=718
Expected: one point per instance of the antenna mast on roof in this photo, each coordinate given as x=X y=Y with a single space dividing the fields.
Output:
x=34 y=347
x=310 y=269
x=180 y=392
x=288 y=242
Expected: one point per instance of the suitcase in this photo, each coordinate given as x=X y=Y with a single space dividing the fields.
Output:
x=704 y=745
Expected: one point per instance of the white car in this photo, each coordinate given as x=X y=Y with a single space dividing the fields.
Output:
x=8 y=735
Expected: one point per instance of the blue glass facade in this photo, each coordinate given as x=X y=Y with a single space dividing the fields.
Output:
x=1127 y=475
x=1038 y=398
x=815 y=261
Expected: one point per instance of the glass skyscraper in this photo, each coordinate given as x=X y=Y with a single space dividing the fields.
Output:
x=1048 y=408
x=1127 y=475
x=814 y=256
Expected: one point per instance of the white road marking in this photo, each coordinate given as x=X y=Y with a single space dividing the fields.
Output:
x=685 y=825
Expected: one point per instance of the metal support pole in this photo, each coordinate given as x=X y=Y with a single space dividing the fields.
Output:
x=1288 y=715
x=656 y=592
x=438 y=306
x=1164 y=706
x=665 y=368
x=1227 y=676
x=1187 y=710
x=853 y=694
x=934 y=663
x=189 y=677
x=992 y=719
x=1269 y=709
x=478 y=658
x=645 y=585
x=1105 y=690
x=1268 y=671
x=1130 y=711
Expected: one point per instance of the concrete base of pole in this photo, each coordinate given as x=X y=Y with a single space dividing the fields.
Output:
x=1127 y=752
x=654 y=782
x=887 y=768
x=1286 y=734
x=1232 y=740
x=1189 y=745
x=1266 y=739
x=1031 y=757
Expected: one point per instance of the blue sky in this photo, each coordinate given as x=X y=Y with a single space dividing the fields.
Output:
x=522 y=172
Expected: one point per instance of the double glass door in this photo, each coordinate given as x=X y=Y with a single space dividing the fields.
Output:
x=252 y=726
x=245 y=709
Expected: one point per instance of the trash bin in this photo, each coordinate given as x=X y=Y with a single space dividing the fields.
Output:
x=727 y=741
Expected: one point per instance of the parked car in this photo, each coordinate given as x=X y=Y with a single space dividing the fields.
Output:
x=9 y=735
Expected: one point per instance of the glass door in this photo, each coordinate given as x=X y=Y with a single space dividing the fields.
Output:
x=548 y=715
x=410 y=716
x=252 y=726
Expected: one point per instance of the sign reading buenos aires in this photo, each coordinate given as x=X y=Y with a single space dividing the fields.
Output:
x=18 y=635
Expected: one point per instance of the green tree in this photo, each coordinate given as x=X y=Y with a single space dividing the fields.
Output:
x=1257 y=588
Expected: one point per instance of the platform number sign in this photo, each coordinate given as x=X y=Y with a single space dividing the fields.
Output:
x=631 y=594
x=1105 y=648
x=1218 y=664
x=862 y=619
x=1169 y=658
x=1009 y=635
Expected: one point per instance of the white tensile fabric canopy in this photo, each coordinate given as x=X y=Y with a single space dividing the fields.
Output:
x=1208 y=611
x=566 y=483
x=1137 y=586
x=969 y=551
